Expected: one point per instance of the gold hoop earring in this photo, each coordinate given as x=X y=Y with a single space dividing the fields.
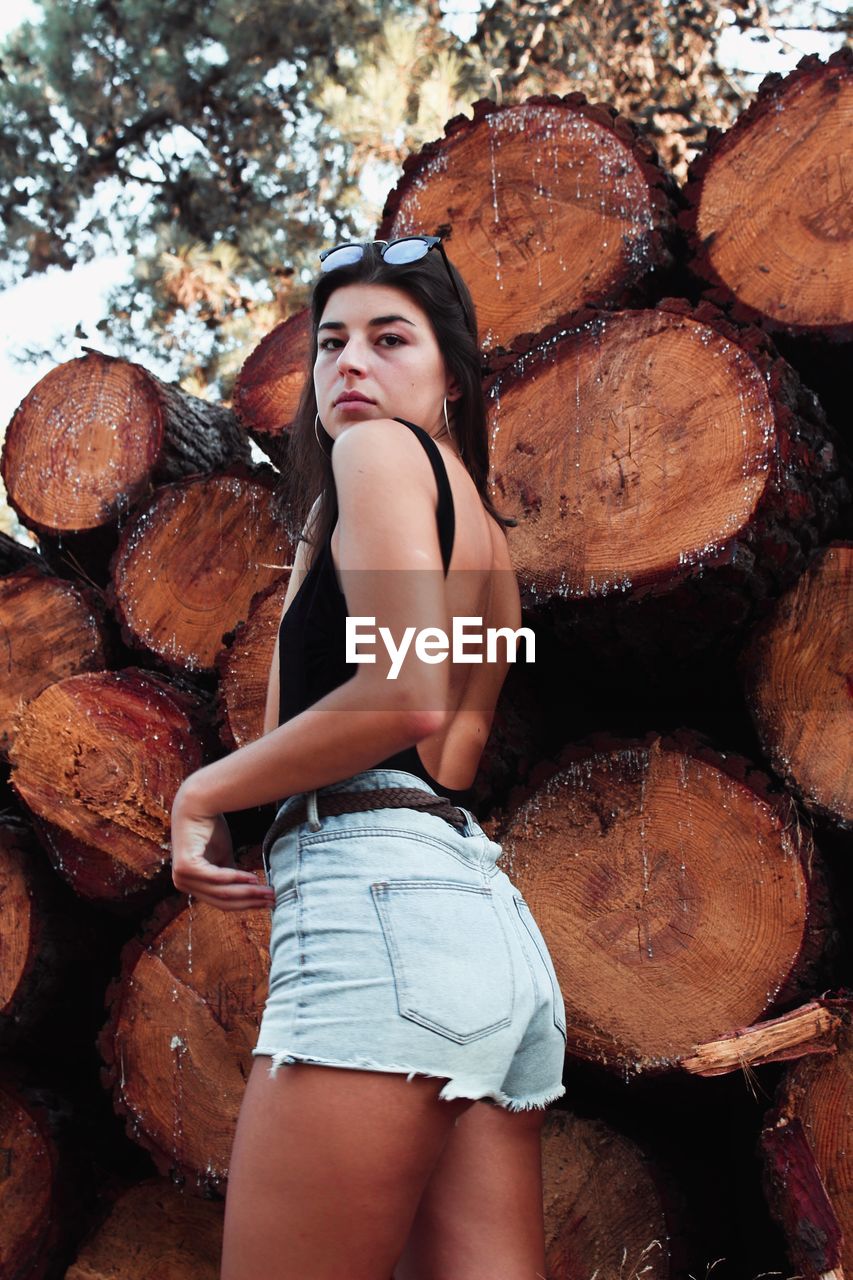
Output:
x=319 y=441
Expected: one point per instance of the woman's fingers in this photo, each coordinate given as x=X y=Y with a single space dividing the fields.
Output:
x=226 y=887
x=233 y=898
x=203 y=863
x=202 y=874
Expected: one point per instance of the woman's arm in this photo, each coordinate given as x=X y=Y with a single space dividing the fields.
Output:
x=391 y=571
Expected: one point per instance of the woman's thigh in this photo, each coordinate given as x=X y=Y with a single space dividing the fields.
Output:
x=327 y=1169
x=481 y=1214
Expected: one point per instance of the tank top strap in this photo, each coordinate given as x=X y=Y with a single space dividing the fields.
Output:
x=446 y=514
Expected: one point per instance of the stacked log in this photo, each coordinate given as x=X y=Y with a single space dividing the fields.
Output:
x=43 y=1159
x=88 y=442
x=98 y=759
x=806 y=1168
x=68 y=620
x=710 y=424
x=669 y=844
x=184 y=1009
x=797 y=684
x=607 y=1207
x=671 y=782
x=268 y=387
x=92 y=439
x=40 y=937
x=233 y=547
x=783 y=260
x=152 y=1229
x=244 y=668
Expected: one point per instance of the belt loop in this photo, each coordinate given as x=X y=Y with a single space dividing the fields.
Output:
x=313 y=816
x=469 y=820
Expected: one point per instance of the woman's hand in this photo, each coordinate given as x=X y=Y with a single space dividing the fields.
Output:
x=203 y=859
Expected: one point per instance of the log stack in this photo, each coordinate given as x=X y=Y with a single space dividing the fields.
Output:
x=671 y=782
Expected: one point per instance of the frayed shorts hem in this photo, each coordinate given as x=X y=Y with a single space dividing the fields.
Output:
x=454 y=1088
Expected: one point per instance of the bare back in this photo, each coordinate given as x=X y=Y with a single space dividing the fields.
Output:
x=486 y=590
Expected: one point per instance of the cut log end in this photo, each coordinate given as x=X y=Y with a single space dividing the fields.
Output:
x=95 y=419
x=52 y=630
x=597 y=433
x=268 y=387
x=673 y=898
x=605 y=1209
x=184 y=1018
x=98 y=759
x=244 y=668
x=180 y=606
x=797 y=683
x=772 y=221
x=805 y=1142
x=556 y=174
x=154 y=1229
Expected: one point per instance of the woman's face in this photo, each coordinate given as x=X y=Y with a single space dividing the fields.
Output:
x=374 y=341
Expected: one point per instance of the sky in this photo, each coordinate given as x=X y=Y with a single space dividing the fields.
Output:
x=45 y=309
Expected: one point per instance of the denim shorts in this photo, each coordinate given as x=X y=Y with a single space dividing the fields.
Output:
x=398 y=945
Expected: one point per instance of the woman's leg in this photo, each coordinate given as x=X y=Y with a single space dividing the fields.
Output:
x=327 y=1169
x=481 y=1215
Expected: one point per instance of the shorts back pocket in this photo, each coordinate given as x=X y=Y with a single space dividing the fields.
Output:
x=449 y=954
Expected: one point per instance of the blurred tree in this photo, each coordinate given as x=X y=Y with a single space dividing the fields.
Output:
x=658 y=61
x=222 y=142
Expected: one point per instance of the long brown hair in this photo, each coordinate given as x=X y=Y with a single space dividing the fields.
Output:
x=308 y=473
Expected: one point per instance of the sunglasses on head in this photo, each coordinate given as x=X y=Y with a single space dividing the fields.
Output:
x=394 y=252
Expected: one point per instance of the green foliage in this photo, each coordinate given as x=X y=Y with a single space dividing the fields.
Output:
x=220 y=143
x=194 y=105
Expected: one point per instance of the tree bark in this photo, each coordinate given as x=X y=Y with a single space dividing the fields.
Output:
x=16 y=555
x=805 y=1144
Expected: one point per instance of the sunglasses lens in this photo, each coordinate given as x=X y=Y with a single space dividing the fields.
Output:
x=408 y=250
x=344 y=256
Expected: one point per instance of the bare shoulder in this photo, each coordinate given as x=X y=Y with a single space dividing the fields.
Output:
x=380 y=446
x=372 y=429
x=386 y=499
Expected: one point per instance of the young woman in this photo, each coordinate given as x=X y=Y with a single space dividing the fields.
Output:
x=412 y=1000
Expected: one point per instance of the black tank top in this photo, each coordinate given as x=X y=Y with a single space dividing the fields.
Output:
x=312 y=631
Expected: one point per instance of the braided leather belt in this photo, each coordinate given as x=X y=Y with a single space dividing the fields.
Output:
x=361 y=801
